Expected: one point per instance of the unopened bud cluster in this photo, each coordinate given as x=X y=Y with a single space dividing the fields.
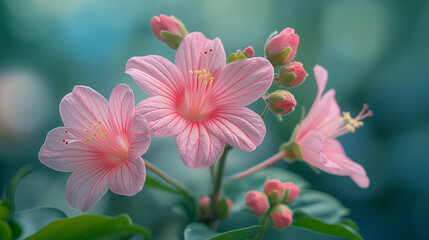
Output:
x=273 y=202
x=169 y=30
x=223 y=208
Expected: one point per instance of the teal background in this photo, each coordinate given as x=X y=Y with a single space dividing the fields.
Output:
x=375 y=52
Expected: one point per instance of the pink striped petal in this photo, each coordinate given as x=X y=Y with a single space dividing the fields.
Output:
x=311 y=147
x=338 y=163
x=139 y=136
x=321 y=76
x=83 y=107
x=162 y=115
x=155 y=75
x=240 y=127
x=128 y=177
x=121 y=108
x=194 y=54
x=243 y=81
x=87 y=185
x=198 y=147
x=56 y=154
x=324 y=114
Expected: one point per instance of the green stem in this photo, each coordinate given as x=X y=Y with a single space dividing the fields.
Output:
x=264 y=226
x=265 y=111
x=167 y=179
x=213 y=174
x=217 y=184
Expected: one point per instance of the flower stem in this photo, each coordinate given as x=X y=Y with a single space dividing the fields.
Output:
x=265 y=111
x=264 y=226
x=270 y=161
x=217 y=184
x=167 y=179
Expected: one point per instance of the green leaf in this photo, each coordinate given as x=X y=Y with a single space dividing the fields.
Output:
x=5 y=231
x=198 y=231
x=342 y=229
x=88 y=227
x=319 y=205
x=151 y=181
x=233 y=57
x=34 y=219
x=236 y=189
x=13 y=182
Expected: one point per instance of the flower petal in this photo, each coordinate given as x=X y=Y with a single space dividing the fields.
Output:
x=58 y=155
x=194 y=54
x=155 y=75
x=338 y=163
x=311 y=147
x=121 y=109
x=198 y=147
x=240 y=127
x=243 y=81
x=321 y=76
x=87 y=185
x=323 y=116
x=139 y=136
x=83 y=107
x=162 y=115
x=128 y=177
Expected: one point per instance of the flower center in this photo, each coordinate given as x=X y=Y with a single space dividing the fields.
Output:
x=96 y=136
x=348 y=124
x=196 y=102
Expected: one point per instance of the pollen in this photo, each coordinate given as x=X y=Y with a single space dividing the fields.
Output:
x=351 y=124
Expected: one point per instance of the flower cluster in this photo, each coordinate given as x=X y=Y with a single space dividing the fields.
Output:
x=273 y=202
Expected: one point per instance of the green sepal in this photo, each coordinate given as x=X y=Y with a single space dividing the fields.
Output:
x=222 y=208
x=233 y=57
x=171 y=39
x=183 y=29
x=292 y=151
x=4 y=212
x=279 y=58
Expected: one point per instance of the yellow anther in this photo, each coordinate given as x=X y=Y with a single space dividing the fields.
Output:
x=205 y=82
x=86 y=130
x=200 y=77
x=93 y=138
x=95 y=134
x=204 y=70
x=90 y=126
x=191 y=72
x=99 y=122
x=98 y=129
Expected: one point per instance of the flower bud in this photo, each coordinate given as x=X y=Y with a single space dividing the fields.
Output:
x=292 y=75
x=281 y=216
x=169 y=30
x=281 y=102
x=224 y=207
x=291 y=192
x=257 y=202
x=274 y=190
x=282 y=48
x=249 y=52
x=204 y=206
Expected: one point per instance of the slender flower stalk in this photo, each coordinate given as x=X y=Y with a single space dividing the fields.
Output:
x=167 y=179
x=270 y=161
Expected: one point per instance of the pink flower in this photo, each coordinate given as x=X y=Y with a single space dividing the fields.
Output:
x=292 y=75
x=165 y=23
x=101 y=143
x=320 y=128
x=279 y=43
x=274 y=190
x=200 y=100
x=292 y=192
x=249 y=52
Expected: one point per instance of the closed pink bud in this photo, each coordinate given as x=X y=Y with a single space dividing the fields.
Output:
x=281 y=216
x=281 y=102
x=257 y=202
x=204 y=204
x=274 y=190
x=292 y=75
x=282 y=48
x=169 y=30
x=249 y=52
x=291 y=192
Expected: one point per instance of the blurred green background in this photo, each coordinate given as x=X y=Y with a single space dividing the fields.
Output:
x=375 y=51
